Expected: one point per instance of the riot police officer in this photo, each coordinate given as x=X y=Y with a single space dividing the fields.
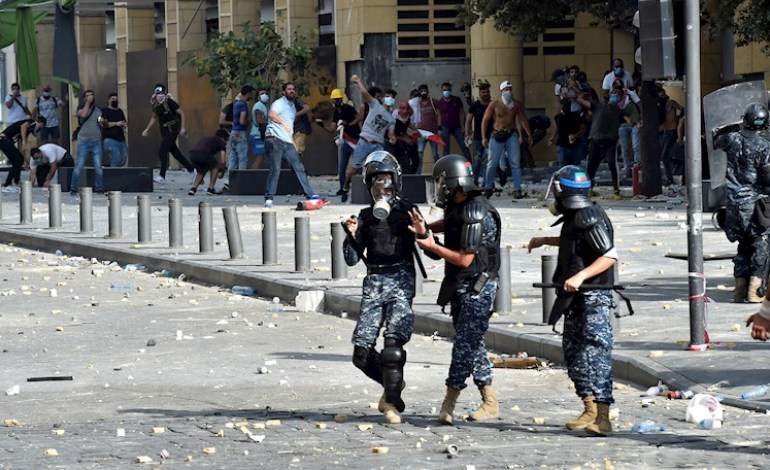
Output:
x=471 y=251
x=380 y=237
x=586 y=257
x=747 y=181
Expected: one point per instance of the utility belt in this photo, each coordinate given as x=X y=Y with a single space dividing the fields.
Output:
x=385 y=268
x=451 y=286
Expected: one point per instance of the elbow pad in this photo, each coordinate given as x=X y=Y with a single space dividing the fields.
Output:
x=473 y=217
x=597 y=228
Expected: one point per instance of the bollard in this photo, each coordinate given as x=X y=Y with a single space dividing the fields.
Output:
x=339 y=267
x=175 y=236
x=144 y=218
x=233 y=230
x=114 y=215
x=205 y=228
x=25 y=203
x=54 y=206
x=503 y=303
x=86 y=210
x=547 y=270
x=269 y=239
x=301 y=244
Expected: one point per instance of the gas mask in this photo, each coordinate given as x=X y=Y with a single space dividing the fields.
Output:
x=383 y=194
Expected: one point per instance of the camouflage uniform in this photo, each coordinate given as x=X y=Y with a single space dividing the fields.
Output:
x=587 y=343
x=386 y=302
x=470 y=317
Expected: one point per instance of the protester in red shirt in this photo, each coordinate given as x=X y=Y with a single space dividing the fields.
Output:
x=452 y=119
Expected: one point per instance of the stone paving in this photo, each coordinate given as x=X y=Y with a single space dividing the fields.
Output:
x=176 y=366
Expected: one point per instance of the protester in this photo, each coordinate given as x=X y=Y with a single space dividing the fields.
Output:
x=379 y=119
x=560 y=88
x=114 y=125
x=348 y=122
x=279 y=144
x=669 y=112
x=427 y=118
x=208 y=156
x=9 y=139
x=473 y=129
x=89 y=138
x=402 y=139
x=17 y=105
x=259 y=125
x=628 y=133
x=604 y=135
x=238 y=158
x=45 y=160
x=302 y=126
x=171 y=119
x=47 y=106
x=618 y=72
x=507 y=118
x=570 y=128
x=452 y=118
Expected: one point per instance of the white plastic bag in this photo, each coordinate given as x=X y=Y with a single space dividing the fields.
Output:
x=704 y=406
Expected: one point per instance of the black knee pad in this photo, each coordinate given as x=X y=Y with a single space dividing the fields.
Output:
x=393 y=360
x=361 y=357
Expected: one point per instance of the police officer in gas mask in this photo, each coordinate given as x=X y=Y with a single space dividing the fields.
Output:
x=584 y=277
x=471 y=251
x=747 y=216
x=380 y=237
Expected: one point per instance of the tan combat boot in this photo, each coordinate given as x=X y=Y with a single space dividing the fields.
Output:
x=602 y=425
x=588 y=416
x=490 y=408
x=383 y=400
x=448 y=406
x=754 y=284
x=391 y=414
x=741 y=290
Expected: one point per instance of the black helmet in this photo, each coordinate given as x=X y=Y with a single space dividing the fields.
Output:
x=570 y=186
x=450 y=173
x=379 y=162
x=756 y=117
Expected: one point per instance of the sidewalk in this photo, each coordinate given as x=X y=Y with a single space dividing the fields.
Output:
x=649 y=346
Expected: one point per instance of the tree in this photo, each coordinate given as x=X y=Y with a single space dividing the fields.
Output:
x=258 y=58
x=750 y=23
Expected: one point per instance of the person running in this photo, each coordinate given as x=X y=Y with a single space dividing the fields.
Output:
x=170 y=117
x=208 y=156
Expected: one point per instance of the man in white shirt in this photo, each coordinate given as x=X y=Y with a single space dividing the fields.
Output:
x=16 y=104
x=617 y=72
x=279 y=144
x=45 y=160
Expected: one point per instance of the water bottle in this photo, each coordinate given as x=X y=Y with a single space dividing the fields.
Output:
x=710 y=424
x=656 y=390
x=755 y=392
x=134 y=267
x=647 y=427
x=122 y=287
x=275 y=305
x=243 y=290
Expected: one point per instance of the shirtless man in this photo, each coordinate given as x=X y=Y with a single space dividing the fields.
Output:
x=668 y=130
x=509 y=121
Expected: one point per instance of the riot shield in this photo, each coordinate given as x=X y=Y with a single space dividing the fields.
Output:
x=722 y=109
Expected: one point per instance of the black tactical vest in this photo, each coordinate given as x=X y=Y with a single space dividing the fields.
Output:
x=575 y=253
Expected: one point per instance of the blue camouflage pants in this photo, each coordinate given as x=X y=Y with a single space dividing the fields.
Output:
x=587 y=344
x=752 y=255
x=470 y=316
x=386 y=302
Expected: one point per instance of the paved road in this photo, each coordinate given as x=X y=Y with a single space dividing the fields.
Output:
x=202 y=387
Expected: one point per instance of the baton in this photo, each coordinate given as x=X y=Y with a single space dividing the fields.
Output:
x=418 y=259
x=542 y=285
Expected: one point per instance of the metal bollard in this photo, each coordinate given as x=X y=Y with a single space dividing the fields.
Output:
x=114 y=215
x=547 y=270
x=269 y=239
x=25 y=203
x=301 y=244
x=503 y=303
x=205 y=228
x=175 y=235
x=54 y=206
x=233 y=230
x=86 y=210
x=144 y=218
x=339 y=267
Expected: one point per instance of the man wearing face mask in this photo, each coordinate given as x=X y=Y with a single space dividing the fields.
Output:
x=402 y=139
x=259 y=125
x=508 y=118
x=372 y=137
x=346 y=118
x=13 y=135
x=605 y=124
x=618 y=72
x=471 y=253
x=380 y=237
x=170 y=118
x=427 y=117
x=47 y=106
x=114 y=125
x=452 y=117
x=586 y=256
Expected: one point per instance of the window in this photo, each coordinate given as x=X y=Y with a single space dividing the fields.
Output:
x=428 y=29
x=558 y=39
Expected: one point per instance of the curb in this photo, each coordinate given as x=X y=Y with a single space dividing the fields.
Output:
x=639 y=371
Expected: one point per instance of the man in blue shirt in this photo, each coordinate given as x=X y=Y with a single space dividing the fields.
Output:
x=239 y=136
x=279 y=144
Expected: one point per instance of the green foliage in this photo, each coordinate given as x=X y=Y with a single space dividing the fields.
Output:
x=258 y=58
x=528 y=18
x=748 y=19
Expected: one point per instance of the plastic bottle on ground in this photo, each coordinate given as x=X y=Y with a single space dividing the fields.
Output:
x=243 y=290
x=647 y=427
x=755 y=392
x=710 y=424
